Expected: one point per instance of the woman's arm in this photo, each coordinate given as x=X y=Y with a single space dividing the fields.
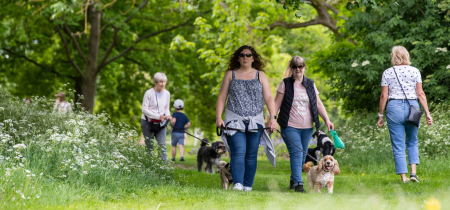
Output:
x=187 y=125
x=222 y=97
x=323 y=113
x=278 y=100
x=383 y=99
x=145 y=107
x=423 y=101
x=268 y=98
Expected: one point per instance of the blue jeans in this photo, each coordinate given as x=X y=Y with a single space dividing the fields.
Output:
x=244 y=151
x=301 y=138
x=396 y=113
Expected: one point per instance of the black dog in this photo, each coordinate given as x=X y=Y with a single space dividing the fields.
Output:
x=324 y=145
x=210 y=155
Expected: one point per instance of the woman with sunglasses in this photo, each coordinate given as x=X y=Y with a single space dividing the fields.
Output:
x=247 y=87
x=299 y=104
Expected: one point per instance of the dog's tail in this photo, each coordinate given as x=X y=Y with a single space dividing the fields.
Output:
x=204 y=142
x=307 y=166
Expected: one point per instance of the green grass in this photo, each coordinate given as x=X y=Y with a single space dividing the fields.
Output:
x=378 y=188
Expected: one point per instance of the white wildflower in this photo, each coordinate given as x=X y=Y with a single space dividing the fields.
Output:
x=84 y=172
x=19 y=146
x=448 y=67
x=442 y=49
x=365 y=63
x=37 y=196
x=28 y=171
x=1 y=108
x=354 y=64
x=81 y=122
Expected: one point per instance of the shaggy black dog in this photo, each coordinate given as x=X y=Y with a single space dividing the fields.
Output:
x=324 y=145
x=210 y=155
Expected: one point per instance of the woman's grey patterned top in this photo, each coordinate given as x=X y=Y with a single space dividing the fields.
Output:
x=245 y=97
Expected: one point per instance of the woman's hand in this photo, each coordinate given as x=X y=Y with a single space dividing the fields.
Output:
x=219 y=122
x=273 y=125
x=161 y=117
x=329 y=125
x=429 y=119
x=380 y=122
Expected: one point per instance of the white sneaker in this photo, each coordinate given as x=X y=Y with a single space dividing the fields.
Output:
x=247 y=188
x=238 y=186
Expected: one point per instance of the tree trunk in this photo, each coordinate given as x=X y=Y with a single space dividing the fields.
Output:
x=89 y=88
x=89 y=85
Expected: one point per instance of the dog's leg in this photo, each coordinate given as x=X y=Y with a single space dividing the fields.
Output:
x=199 y=163
x=208 y=168
x=330 y=187
x=310 y=184
x=318 y=187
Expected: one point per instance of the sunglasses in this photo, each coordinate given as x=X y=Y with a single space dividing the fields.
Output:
x=295 y=67
x=248 y=55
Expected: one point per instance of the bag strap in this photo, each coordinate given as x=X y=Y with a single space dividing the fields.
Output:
x=401 y=86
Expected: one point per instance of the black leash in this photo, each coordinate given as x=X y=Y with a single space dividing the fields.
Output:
x=219 y=132
x=173 y=126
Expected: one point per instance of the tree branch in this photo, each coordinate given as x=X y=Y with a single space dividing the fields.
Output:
x=142 y=38
x=292 y=25
x=109 y=50
x=37 y=64
x=132 y=60
x=68 y=53
x=77 y=46
x=143 y=4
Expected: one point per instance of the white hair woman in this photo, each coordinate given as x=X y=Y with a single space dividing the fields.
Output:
x=155 y=110
x=401 y=85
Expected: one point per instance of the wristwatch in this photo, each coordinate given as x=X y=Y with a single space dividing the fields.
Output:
x=380 y=115
x=273 y=117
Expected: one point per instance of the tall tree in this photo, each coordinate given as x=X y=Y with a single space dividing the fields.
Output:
x=85 y=37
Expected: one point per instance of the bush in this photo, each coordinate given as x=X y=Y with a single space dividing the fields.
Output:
x=79 y=149
x=366 y=143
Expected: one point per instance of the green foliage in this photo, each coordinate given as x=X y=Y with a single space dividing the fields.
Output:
x=76 y=150
x=355 y=71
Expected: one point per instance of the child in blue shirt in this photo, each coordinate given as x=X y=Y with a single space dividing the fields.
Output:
x=180 y=122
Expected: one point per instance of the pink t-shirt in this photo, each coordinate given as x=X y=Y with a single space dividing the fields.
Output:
x=300 y=114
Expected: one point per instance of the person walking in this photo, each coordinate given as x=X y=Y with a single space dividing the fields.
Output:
x=180 y=122
x=61 y=105
x=247 y=87
x=299 y=104
x=155 y=112
x=401 y=85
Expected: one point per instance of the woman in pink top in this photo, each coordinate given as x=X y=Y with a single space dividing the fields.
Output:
x=155 y=109
x=299 y=104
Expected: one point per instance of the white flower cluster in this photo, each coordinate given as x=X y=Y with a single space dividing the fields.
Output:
x=441 y=49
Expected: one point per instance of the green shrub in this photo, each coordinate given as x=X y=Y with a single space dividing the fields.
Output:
x=79 y=150
x=366 y=143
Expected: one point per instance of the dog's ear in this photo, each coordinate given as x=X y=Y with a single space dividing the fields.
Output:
x=336 y=169
x=315 y=134
x=320 y=164
x=214 y=145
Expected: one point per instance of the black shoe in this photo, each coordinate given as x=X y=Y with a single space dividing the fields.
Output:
x=414 y=178
x=291 y=185
x=181 y=159
x=299 y=188
x=173 y=159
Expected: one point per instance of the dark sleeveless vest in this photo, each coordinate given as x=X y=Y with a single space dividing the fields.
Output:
x=288 y=98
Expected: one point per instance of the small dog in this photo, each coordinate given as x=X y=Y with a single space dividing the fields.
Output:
x=324 y=145
x=322 y=175
x=226 y=179
x=210 y=155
